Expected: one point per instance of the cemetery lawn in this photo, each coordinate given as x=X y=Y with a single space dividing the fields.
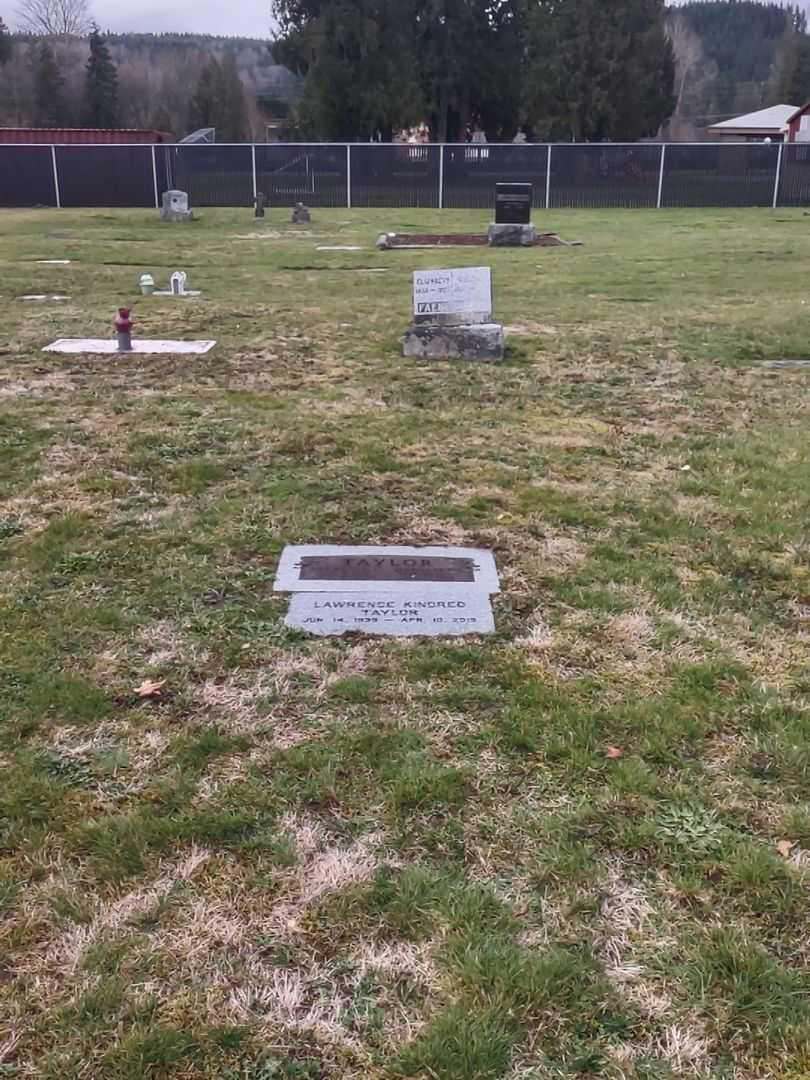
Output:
x=580 y=847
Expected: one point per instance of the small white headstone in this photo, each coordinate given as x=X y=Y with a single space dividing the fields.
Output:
x=461 y=292
x=177 y=283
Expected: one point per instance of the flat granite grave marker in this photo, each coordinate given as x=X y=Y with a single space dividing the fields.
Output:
x=394 y=591
x=452 y=316
x=144 y=346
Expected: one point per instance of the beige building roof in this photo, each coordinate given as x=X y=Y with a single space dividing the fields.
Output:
x=772 y=121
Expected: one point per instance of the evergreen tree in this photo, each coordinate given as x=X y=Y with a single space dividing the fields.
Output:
x=5 y=43
x=101 y=85
x=204 y=104
x=794 y=75
x=232 y=114
x=359 y=63
x=49 y=88
x=470 y=61
x=598 y=71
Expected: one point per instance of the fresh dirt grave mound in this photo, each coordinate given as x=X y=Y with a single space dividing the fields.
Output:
x=393 y=241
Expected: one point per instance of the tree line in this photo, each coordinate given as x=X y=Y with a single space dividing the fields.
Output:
x=560 y=69
x=176 y=84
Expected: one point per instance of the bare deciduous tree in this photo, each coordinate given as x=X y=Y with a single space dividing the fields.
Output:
x=56 y=18
x=688 y=50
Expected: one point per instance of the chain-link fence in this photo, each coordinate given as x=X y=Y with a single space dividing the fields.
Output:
x=603 y=176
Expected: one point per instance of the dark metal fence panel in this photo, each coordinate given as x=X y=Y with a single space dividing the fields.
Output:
x=105 y=175
x=395 y=174
x=214 y=175
x=314 y=174
x=471 y=172
x=406 y=175
x=26 y=176
x=794 y=184
x=737 y=174
x=587 y=176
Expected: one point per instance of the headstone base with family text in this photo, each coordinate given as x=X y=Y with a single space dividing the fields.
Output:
x=452 y=316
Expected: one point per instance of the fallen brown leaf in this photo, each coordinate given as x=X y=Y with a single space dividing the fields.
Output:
x=784 y=847
x=150 y=688
x=614 y=752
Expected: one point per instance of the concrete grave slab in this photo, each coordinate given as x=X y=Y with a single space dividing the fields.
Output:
x=339 y=247
x=182 y=295
x=54 y=262
x=393 y=614
x=42 y=297
x=109 y=346
x=325 y=568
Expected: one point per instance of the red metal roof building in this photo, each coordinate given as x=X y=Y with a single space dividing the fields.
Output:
x=799 y=125
x=82 y=136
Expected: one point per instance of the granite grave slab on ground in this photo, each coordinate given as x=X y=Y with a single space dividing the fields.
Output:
x=390 y=590
x=42 y=297
x=109 y=346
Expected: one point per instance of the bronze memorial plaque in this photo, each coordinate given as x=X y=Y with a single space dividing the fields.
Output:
x=386 y=568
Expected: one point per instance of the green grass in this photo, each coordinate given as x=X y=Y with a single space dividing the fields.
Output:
x=553 y=853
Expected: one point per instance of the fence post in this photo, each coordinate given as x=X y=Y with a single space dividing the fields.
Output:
x=661 y=176
x=154 y=177
x=55 y=178
x=548 y=178
x=253 y=168
x=349 y=175
x=441 y=176
x=778 y=176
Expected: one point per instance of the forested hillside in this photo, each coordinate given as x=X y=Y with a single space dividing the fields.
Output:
x=173 y=82
x=577 y=69
x=734 y=56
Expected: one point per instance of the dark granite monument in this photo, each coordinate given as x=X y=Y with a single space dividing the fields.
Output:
x=513 y=204
x=513 y=217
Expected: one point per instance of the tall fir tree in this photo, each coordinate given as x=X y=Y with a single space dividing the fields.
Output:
x=794 y=74
x=598 y=71
x=232 y=120
x=49 y=88
x=101 y=85
x=6 y=47
x=359 y=61
x=204 y=104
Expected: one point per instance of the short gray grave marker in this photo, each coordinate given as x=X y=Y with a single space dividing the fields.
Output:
x=175 y=207
x=452 y=316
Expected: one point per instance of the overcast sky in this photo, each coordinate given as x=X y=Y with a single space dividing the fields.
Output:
x=245 y=18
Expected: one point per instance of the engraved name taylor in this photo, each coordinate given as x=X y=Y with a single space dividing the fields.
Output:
x=386 y=568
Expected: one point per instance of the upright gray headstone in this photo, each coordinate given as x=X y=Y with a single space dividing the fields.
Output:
x=452 y=316
x=301 y=215
x=175 y=207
